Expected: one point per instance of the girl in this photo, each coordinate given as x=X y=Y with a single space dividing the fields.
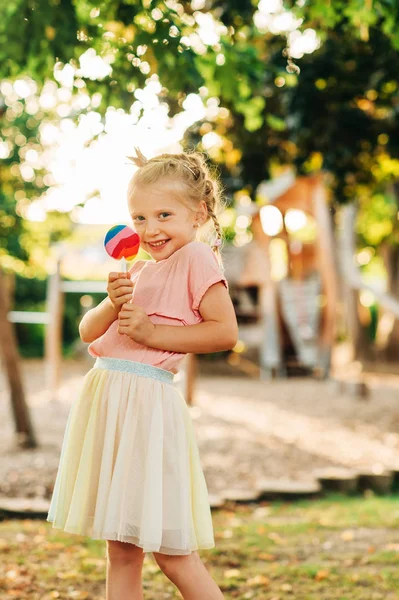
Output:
x=129 y=470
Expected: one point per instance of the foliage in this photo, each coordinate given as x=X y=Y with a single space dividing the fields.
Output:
x=354 y=16
x=136 y=38
x=376 y=219
x=24 y=244
x=336 y=110
x=344 y=108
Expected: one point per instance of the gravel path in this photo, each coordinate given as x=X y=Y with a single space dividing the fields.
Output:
x=247 y=430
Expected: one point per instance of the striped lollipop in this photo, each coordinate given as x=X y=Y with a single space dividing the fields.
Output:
x=122 y=242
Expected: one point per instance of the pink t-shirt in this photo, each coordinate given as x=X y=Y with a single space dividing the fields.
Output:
x=170 y=291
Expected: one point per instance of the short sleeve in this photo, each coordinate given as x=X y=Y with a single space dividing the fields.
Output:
x=135 y=269
x=204 y=271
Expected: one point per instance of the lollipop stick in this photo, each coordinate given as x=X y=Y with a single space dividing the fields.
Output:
x=124 y=265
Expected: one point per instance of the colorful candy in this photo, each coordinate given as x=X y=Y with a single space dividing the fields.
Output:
x=122 y=242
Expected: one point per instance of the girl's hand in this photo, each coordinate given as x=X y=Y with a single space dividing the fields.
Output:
x=120 y=289
x=134 y=322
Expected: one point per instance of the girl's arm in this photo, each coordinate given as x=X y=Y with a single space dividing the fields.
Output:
x=97 y=320
x=217 y=332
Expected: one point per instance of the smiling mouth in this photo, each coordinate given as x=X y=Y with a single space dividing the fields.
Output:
x=159 y=244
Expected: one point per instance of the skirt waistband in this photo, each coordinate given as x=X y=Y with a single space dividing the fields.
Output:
x=130 y=366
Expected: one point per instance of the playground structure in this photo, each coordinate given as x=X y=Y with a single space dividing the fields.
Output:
x=292 y=321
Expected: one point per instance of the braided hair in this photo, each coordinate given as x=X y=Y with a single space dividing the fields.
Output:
x=195 y=175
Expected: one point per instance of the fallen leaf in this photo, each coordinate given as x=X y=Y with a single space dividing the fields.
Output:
x=277 y=539
x=67 y=575
x=349 y=562
x=227 y=533
x=52 y=546
x=347 y=535
x=323 y=574
x=4 y=545
x=95 y=562
x=261 y=529
x=394 y=547
x=258 y=580
x=266 y=556
x=12 y=574
x=232 y=573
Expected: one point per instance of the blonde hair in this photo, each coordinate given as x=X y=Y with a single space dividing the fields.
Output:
x=192 y=171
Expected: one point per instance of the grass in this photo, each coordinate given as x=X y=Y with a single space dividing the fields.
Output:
x=337 y=548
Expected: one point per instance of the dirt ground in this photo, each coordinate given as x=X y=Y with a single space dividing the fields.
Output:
x=247 y=430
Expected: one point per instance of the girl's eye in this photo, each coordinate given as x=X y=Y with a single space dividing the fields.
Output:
x=164 y=215
x=138 y=219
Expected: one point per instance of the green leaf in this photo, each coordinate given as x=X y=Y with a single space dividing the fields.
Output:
x=276 y=123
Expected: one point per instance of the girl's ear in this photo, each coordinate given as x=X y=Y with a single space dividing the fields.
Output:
x=202 y=212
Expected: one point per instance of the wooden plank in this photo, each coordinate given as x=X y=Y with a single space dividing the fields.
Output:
x=287 y=489
x=84 y=287
x=24 y=316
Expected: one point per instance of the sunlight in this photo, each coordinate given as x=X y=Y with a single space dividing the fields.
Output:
x=294 y=220
x=88 y=171
x=93 y=66
x=271 y=220
x=209 y=30
x=272 y=17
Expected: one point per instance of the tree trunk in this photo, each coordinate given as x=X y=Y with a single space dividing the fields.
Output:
x=11 y=359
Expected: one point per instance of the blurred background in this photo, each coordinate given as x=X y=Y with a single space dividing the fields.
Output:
x=296 y=106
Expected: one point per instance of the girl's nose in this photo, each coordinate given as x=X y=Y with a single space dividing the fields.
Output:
x=152 y=228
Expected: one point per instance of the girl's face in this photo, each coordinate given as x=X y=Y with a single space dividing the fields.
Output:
x=163 y=223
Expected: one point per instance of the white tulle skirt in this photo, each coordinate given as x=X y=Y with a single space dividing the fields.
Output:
x=129 y=468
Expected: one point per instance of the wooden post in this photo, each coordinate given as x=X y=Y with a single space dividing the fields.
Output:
x=9 y=350
x=361 y=345
x=271 y=359
x=271 y=362
x=325 y=242
x=53 y=340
